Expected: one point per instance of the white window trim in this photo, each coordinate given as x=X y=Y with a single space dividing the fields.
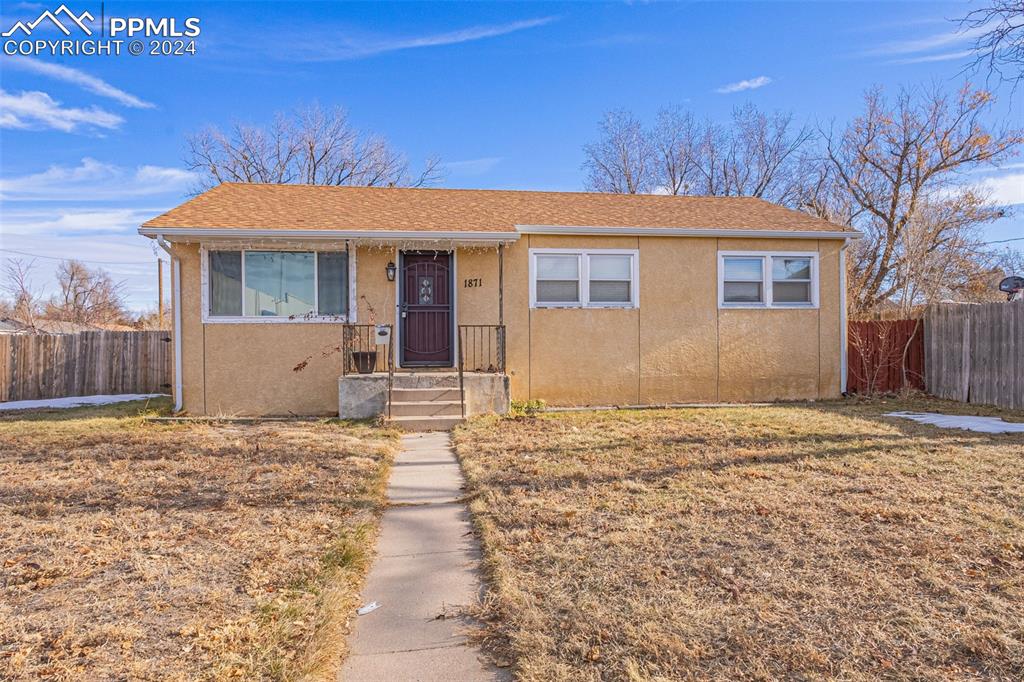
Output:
x=766 y=279
x=204 y=283
x=584 y=274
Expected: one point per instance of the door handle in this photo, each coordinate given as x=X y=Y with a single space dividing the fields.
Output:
x=405 y=309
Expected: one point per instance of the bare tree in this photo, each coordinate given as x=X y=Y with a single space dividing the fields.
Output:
x=622 y=161
x=898 y=173
x=312 y=146
x=676 y=145
x=901 y=167
x=820 y=193
x=25 y=303
x=86 y=296
x=999 y=49
x=150 y=320
x=758 y=155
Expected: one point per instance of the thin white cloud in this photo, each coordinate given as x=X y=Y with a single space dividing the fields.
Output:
x=336 y=46
x=1005 y=190
x=81 y=79
x=899 y=23
x=94 y=180
x=34 y=109
x=76 y=221
x=127 y=257
x=932 y=42
x=471 y=167
x=740 y=86
x=941 y=57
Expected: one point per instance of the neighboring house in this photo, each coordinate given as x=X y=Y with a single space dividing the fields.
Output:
x=603 y=299
x=8 y=325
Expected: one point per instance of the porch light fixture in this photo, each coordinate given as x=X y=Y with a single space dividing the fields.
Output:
x=390 y=270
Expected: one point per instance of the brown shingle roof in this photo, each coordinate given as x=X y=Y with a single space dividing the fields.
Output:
x=311 y=207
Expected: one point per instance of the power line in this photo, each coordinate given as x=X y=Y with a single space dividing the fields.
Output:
x=80 y=260
x=1003 y=241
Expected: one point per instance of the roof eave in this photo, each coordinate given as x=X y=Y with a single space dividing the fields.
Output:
x=424 y=235
x=334 y=235
x=686 y=232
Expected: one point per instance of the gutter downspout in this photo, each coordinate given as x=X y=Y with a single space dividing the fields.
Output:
x=843 y=350
x=176 y=329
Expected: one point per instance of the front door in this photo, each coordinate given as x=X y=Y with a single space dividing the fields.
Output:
x=425 y=306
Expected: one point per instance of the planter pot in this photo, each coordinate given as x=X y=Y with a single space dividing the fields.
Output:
x=365 y=360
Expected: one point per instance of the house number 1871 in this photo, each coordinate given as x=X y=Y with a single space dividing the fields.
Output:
x=475 y=282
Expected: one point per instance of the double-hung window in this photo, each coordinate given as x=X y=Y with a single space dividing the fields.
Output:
x=591 y=278
x=557 y=278
x=791 y=280
x=767 y=280
x=276 y=285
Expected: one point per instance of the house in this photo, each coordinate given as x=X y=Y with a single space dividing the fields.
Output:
x=572 y=298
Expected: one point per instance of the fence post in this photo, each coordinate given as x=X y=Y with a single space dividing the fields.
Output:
x=965 y=359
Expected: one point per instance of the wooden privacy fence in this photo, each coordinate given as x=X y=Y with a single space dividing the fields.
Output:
x=39 y=366
x=885 y=356
x=975 y=353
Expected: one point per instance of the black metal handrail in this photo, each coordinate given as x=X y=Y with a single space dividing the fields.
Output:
x=391 y=367
x=462 y=381
x=359 y=349
x=482 y=348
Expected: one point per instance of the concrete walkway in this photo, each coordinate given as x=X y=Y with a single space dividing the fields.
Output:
x=426 y=566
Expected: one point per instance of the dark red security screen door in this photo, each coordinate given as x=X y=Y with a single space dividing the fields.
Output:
x=426 y=308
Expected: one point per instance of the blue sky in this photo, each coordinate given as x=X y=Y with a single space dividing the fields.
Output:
x=506 y=94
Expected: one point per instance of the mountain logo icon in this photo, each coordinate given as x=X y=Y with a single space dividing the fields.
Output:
x=69 y=16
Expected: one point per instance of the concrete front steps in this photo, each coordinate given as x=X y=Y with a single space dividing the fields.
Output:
x=425 y=402
x=422 y=400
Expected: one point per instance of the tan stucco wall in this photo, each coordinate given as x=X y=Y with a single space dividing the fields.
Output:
x=771 y=354
x=678 y=327
x=192 y=346
x=677 y=347
x=249 y=369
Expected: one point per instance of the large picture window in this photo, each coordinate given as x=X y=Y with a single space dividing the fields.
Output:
x=277 y=284
x=767 y=280
x=592 y=278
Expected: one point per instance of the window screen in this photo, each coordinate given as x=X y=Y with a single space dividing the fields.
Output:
x=558 y=279
x=332 y=283
x=743 y=280
x=791 y=280
x=225 y=283
x=610 y=278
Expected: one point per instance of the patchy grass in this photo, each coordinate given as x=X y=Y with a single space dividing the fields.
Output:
x=800 y=541
x=167 y=551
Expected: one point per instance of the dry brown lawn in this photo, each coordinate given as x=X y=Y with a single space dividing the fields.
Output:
x=817 y=541
x=156 y=551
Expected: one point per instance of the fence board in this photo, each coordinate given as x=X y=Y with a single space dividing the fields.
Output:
x=974 y=353
x=39 y=366
x=885 y=356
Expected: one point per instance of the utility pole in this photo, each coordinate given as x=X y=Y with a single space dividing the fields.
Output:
x=160 y=292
